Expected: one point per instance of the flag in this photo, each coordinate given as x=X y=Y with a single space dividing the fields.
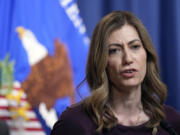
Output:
x=48 y=44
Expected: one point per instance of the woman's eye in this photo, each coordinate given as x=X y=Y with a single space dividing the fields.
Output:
x=113 y=51
x=135 y=47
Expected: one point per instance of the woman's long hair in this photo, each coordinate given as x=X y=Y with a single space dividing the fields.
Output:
x=153 y=89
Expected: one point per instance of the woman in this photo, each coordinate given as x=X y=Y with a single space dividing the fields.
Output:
x=127 y=96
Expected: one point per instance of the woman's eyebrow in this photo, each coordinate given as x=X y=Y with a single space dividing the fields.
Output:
x=115 y=44
x=120 y=45
x=132 y=41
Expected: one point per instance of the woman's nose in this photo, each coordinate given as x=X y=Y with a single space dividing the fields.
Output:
x=127 y=57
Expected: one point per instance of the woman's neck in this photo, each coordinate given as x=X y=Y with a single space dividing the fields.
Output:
x=128 y=99
x=126 y=105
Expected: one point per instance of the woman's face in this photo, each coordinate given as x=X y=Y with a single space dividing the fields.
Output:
x=127 y=58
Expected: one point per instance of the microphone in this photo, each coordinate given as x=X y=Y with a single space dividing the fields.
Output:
x=168 y=128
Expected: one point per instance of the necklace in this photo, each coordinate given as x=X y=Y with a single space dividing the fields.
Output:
x=139 y=116
x=154 y=130
x=137 y=122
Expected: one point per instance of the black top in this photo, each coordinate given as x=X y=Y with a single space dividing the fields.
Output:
x=75 y=121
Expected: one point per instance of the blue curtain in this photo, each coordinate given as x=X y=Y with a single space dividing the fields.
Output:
x=162 y=20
